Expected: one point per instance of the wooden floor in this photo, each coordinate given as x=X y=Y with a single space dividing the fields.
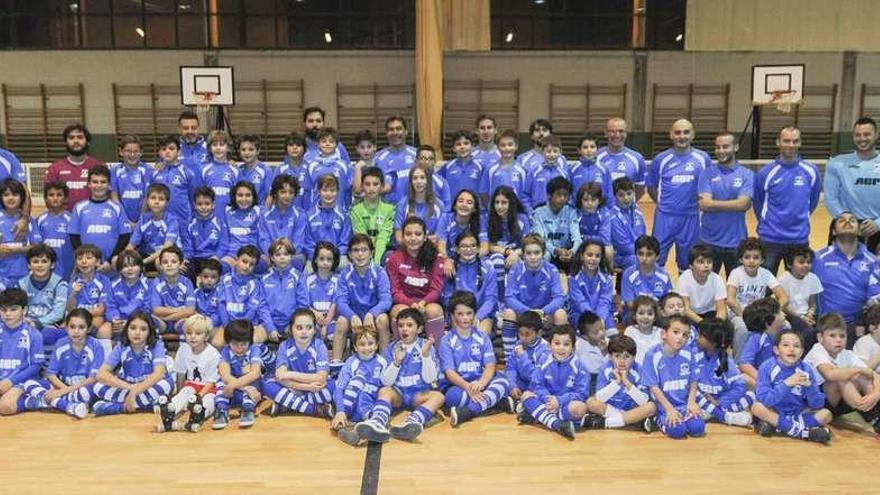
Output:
x=50 y=453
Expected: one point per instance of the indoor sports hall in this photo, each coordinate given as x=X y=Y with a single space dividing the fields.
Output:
x=788 y=86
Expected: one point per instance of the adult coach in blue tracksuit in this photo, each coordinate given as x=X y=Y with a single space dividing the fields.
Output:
x=852 y=182
x=725 y=189
x=786 y=193
x=672 y=183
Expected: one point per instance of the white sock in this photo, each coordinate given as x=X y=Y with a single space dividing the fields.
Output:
x=613 y=417
x=107 y=344
x=742 y=418
x=180 y=401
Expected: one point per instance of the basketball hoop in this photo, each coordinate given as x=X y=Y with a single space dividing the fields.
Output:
x=204 y=100
x=784 y=100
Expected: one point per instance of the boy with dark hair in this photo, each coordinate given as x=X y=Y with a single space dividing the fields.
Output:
x=252 y=169
x=529 y=351
x=47 y=294
x=373 y=216
x=21 y=350
x=129 y=178
x=240 y=373
x=462 y=172
x=100 y=220
x=328 y=162
x=204 y=236
x=538 y=181
x=177 y=176
x=294 y=165
x=764 y=319
x=559 y=224
x=52 y=227
x=627 y=223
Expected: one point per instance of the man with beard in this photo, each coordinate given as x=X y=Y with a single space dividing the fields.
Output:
x=534 y=158
x=849 y=274
x=73 y=169
x=193 y=148
x=11 y=168
x=852 y=182
x=313 y=121
x=618 y=159
x=396 y=160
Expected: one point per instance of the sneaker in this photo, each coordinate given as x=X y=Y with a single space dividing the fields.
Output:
x=372 y=431
x=436 y=419
x=221 y=419
x=508 y=405
x=819 y=434
x=592 y=422
x=566 y=429
x=325 y=410
x=196 y=415
x=650 y=425
x=106 y=408
x=408 y=431
x=459 y=415
x=742 y=418
x=524 y=418
x=164 y=415
x=349 y=436
x=247 y=419
x=764 y=428
x=78 y=410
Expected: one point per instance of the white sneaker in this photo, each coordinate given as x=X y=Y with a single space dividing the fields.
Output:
x=78 y=410
x=742 y=418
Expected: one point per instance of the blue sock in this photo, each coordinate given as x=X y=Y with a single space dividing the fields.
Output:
x=420 y=415
x=508 y=336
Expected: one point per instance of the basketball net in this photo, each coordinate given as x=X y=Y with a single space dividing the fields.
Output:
x=204 y=100
x=784 y=100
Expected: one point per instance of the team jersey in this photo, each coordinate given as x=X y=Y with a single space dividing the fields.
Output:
x=758 y=348
x=260 y=175
x=560 y=230
x=199 y=368
x=14 y=266
x=586 y=171
x=242 y=226
x=240 y=365
x=635 y=283
x=785 y=196
x=413 y=375
x=671 y=374
x=536 y=184
x=312 y=151
x=299 y=172
x=467 y=356
x=409 y=283
x=361 y=294
x=848 y=283
x=620 y=397
x=99 y=223
x=480 y=279
x=335 y=166
x=772 y=392
x=312 y=359
x=74 y=175
x=512 y=175
x=519 y=368
x=596 y=226
x=727 y=389
x=505 y=238
x=151 y=233
x=375 y=221
x=204 y=238
x=370 y=370
x=52 y=231
x=173 y=294
x=851 y=185
x=281 y=288
x=625 y=225
x=462 y=174
x=196 y=153
x=528 y=289
x=675 y=177
x=725 y=183
x=486 y=157
x=130 y=185
x=124 y=299
x=11 y=168
x=276 y=223
x=448 y=230
x=220 y=177
x=593 y=293
x=567 y=380
x=624 y=163
x=209 y=303
x=94 y=292
x=245 y=300
x=21 y=353
x=47 y=302
x=73 y=367
x=317 y=293
x=441 y=189
x=135 y=366
x=431 y=216
x=181 y=182
x=326 y=224
x=532 y=159
x=396 y=164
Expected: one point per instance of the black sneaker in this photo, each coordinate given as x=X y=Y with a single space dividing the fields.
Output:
x=408 y=431
x=196 y=415
x=592 y=422
x=459 y=415
x=325 y=410
x=164 y=414
x=819 y=434
x=650 y=425
x=508 y=405
x=349 y=436
x=764 y=428
x=566 y=429
x=524 y=418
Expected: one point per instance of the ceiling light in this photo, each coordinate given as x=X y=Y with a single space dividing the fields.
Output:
x=509 y=37
x=679 y=37
x=140 y=31
x=328 y=38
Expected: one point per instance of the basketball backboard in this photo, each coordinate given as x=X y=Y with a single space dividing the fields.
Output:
x=196 y=81
x=772 y=82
